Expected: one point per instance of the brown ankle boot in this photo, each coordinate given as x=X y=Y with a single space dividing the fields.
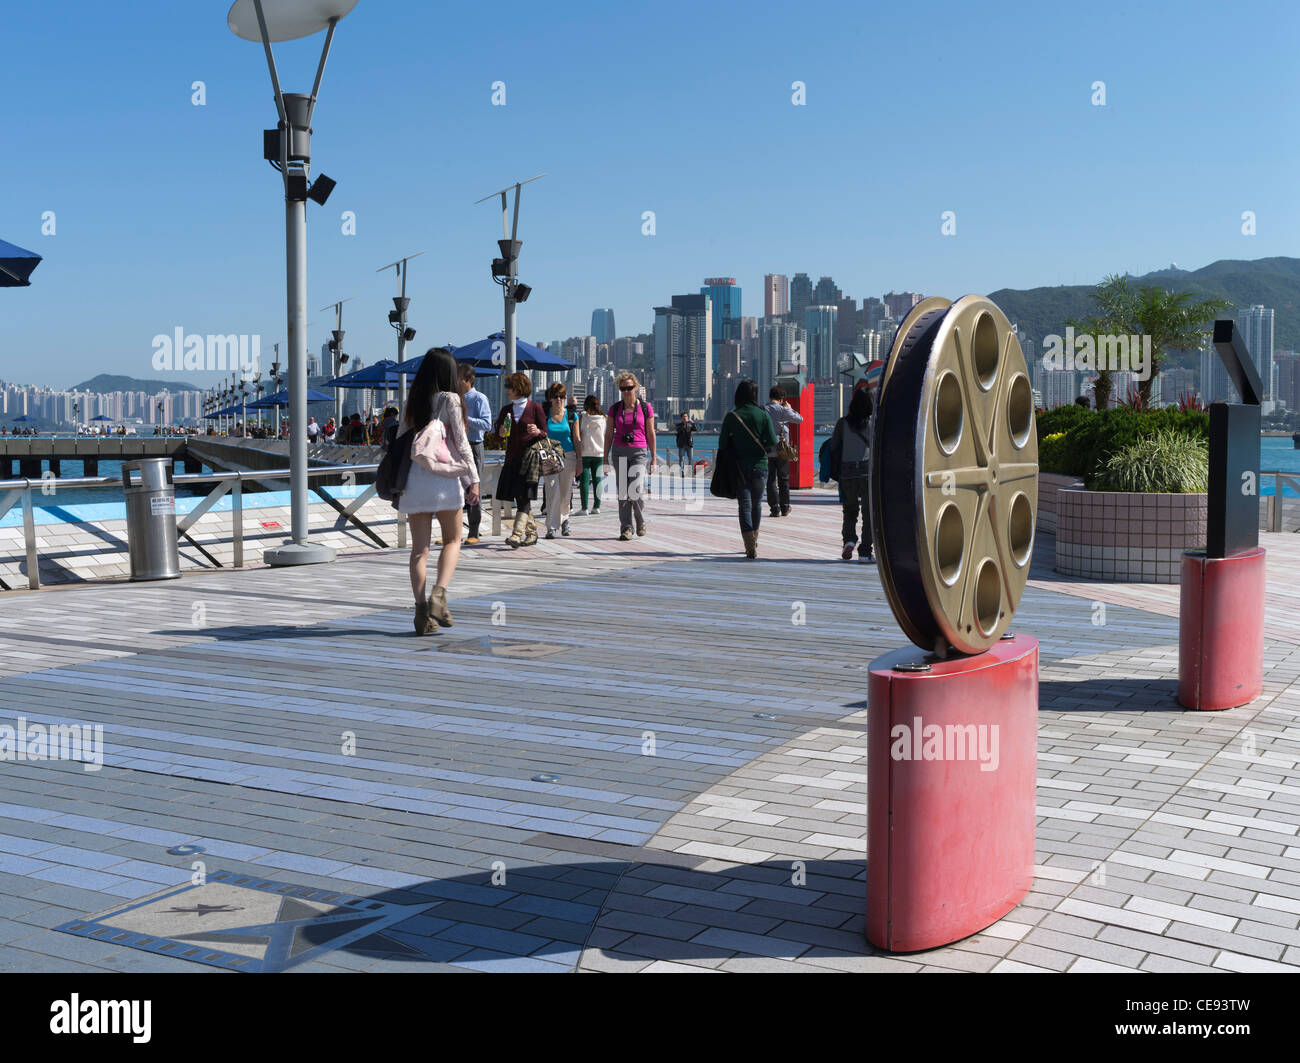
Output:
x=438 y=606
x=751 y=543
x=423 y=624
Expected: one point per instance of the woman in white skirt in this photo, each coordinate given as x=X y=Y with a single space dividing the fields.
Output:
x=443 y=478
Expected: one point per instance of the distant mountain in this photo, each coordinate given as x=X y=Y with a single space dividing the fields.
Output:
x=1272 y=282
x=107 y=382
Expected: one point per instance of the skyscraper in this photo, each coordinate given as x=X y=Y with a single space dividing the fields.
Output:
x=872 y=311
x=724 y=294
x=683 y=356
x=819 y=322
x=1256 y=325
x=847 y=323
x=776 y=295
x=1216 y=386
x=780 y=341
x=602 y=325
x=900 y=303
x=801 y=296
x=826 y=294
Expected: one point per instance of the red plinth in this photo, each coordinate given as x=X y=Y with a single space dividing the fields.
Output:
x=1221 y=630
x=951 y=774
x=801 y=435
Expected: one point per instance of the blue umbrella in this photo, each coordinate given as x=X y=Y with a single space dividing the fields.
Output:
x=16 y=265
x=490 y=354
x=24 y=417
x=102 y=417
x=382 y=373
x=281 y=399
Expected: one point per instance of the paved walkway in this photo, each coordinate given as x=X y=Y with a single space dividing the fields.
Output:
x=368 y=800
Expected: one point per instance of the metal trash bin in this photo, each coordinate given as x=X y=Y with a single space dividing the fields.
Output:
x=151 y=518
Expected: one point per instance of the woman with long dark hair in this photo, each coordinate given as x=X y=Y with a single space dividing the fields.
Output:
x=748 y=429
x=851 y=447
x=443 y=478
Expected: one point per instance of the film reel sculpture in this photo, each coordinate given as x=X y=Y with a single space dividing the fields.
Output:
x=954 y=480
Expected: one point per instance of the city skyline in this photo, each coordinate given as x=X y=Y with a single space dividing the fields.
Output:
x=177 y=223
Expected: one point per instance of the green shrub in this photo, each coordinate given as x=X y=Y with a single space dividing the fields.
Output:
x=1061 y=419
x=1053 y=453
x=1169 y=461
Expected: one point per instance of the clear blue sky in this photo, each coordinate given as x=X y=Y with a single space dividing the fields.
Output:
x=167 y=216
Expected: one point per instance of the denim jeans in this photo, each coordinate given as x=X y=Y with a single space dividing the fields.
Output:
x=855 y=495
x=475 y=511
x=749 y=499
x=687 y=456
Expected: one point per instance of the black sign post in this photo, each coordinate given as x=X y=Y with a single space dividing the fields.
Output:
x=1232 y=518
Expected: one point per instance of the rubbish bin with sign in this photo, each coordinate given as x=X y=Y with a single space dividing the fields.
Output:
x=151 y=518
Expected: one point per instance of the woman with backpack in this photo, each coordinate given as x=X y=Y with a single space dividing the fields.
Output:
x=748 y=430
x=520 y=424
x=850 y=454
x=630 y=441
x=562 y=426
x=443 y=477
x=592 y=448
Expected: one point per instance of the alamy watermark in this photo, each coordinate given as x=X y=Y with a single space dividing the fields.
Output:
x=186 y=352
x=952 y=741
x=59 y=741
x=1124 y=354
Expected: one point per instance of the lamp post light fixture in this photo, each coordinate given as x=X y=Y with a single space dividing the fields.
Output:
x=337 y=358
x=275 y=387
x=505 y=268
x=397 y=318
x=288 y=149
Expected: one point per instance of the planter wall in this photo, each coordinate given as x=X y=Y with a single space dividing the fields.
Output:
x=1049 y=483
x=1120 y=537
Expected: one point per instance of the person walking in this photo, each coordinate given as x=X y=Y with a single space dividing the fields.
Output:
x=442 y=479
x=478 y=415
x=591 y=428
x=685 y=448
x=389 y=426
x=313 y=430
x=562 y=426
x=748 y=429
x=630 y=442
x=521 y=423
x=778 y=471
x=851 y=451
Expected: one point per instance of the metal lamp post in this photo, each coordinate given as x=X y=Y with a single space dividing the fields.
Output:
x=288 y=149
x=337 y=358
x=397 y=318
x=505 y=268
x=275 y=387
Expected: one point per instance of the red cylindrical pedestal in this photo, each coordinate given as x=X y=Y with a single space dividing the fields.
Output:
x=803 y=468
x=951 y=775
x=1221 y=630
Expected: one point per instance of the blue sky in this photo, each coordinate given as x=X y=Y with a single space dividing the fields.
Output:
x=166 y=215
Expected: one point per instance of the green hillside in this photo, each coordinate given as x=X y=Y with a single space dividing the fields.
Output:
x=1272 y=282
x=107 y=382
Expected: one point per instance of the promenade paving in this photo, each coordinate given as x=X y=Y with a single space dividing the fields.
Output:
x=367 y=800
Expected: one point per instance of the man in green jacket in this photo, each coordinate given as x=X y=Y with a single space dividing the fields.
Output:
x=748 y=430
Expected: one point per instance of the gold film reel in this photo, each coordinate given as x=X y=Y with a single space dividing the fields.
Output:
x=954 y=478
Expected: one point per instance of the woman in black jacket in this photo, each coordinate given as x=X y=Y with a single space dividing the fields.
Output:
x=525 y=422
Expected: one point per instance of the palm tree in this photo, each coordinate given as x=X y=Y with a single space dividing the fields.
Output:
x=1173 y=320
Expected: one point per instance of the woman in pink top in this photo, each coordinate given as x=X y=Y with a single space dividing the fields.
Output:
x=630 y=442
x=443 y=477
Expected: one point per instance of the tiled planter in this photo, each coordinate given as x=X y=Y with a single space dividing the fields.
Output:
x=1049 y=483
x=1120 y=537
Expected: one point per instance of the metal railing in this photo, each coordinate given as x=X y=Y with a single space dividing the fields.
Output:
x=1276 y=502
x=19 y=491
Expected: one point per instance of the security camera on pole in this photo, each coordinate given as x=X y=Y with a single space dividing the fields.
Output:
x=505 y=268
x=288 y=149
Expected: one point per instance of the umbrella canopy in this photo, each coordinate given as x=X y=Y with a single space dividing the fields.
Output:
x=16 y=265
x=382 y=373
x=102 y=417
x=281 y=399
x=412 y=365
x=489 y=353
x=24 y=417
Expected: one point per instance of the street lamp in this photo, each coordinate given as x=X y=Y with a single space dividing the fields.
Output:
x=397 y=318
x=275 y=387
x=337 y=358
x=288 y=149
x=505 y=268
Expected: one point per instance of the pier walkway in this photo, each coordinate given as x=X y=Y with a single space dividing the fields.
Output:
x=367 y=800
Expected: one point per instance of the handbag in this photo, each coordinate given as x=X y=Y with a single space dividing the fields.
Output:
x=552 y=459
x=786 y=451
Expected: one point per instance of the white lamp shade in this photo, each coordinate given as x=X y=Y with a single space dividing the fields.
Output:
x=286 y=20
